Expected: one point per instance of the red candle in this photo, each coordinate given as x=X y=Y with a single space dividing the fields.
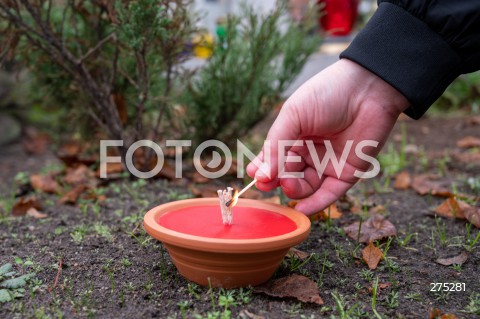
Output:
x=248 y=222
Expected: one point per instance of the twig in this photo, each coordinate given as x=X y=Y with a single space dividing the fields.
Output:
x=96 y=47
x=59 y=270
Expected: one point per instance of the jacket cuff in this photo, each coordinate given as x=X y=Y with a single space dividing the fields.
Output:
x=407 y=54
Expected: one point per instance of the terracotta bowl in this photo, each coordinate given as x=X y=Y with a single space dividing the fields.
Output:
x=226 y=263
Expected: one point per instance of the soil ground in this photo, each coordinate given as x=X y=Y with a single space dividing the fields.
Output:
x=111 y=268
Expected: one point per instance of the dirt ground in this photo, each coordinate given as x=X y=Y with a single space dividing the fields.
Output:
x=110 y=268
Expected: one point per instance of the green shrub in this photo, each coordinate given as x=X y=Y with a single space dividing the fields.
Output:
x=246 y=75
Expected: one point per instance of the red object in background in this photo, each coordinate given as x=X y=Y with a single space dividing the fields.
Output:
x=338 y=16
x=248 y=222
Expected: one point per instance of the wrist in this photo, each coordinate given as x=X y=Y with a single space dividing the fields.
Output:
x=372 y=89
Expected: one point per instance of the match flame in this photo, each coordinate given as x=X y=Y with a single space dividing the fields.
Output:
x=234 y=198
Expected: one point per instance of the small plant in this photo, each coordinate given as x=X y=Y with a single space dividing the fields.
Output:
x=342 y=310
x=12 y=287
x=103 y=230
x=393 y=161
x=470 y=240
x=183 y=307
x=441 y=230
x=391 y=301
x=126 y=262
x=404 y=241
x=473 y=306
x=374 y=298
x=416 y=296
x=366 y=274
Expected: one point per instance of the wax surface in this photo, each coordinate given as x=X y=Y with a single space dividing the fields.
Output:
x=248 y=223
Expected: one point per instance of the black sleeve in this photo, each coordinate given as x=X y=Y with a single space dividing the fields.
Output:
x=420 y=46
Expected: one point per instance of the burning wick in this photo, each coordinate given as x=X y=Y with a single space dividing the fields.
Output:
x=228 y=198
x=240 y=193
x=228 y=195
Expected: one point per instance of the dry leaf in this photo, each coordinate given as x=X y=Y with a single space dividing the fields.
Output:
x=167 y=171
x=372 y=255
x=374 y=228
x=35 y=142
x=451 y=208
x=331 y=212
x=472 y=214
x=80 y=175
x=402 y=181
x=429 y=184
x=44 y=183
x=437 y=314
x=292 y=203
x=68 y=152
x=33 y=212
x=24 y=204
x=471 y=158
x=71 y=196
x=381 y=285
x=199 y=178
x=469 y=142
x=459 y=259
x=293 y=286
x=454 y=208
x=293 y=252
x=112 y=168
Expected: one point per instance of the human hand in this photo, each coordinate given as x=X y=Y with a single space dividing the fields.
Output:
x=343 y=102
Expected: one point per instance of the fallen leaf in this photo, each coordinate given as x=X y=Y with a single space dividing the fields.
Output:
x=199 y=178
x=292 y=203
x=33 y=212
x=80 y=175
x=374 y=228
x=402 y=181
x=459 y=259
x=35 y=142
x=167 y=171
x=470 y=158
x=112 y=168
x=293 y=286
x=472 y=214
x=293 y=252
x=331 y=212
x=273 y=199
x=68 y=152
x=437 y=314
x=372 y=255
x=22 y=205
x=381 y=285
x=44 y=183
x=469 y=142
x=71 y=196
x=451 y=208
x=429 y=184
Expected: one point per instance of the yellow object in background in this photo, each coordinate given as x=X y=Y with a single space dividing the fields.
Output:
x=203 y=45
